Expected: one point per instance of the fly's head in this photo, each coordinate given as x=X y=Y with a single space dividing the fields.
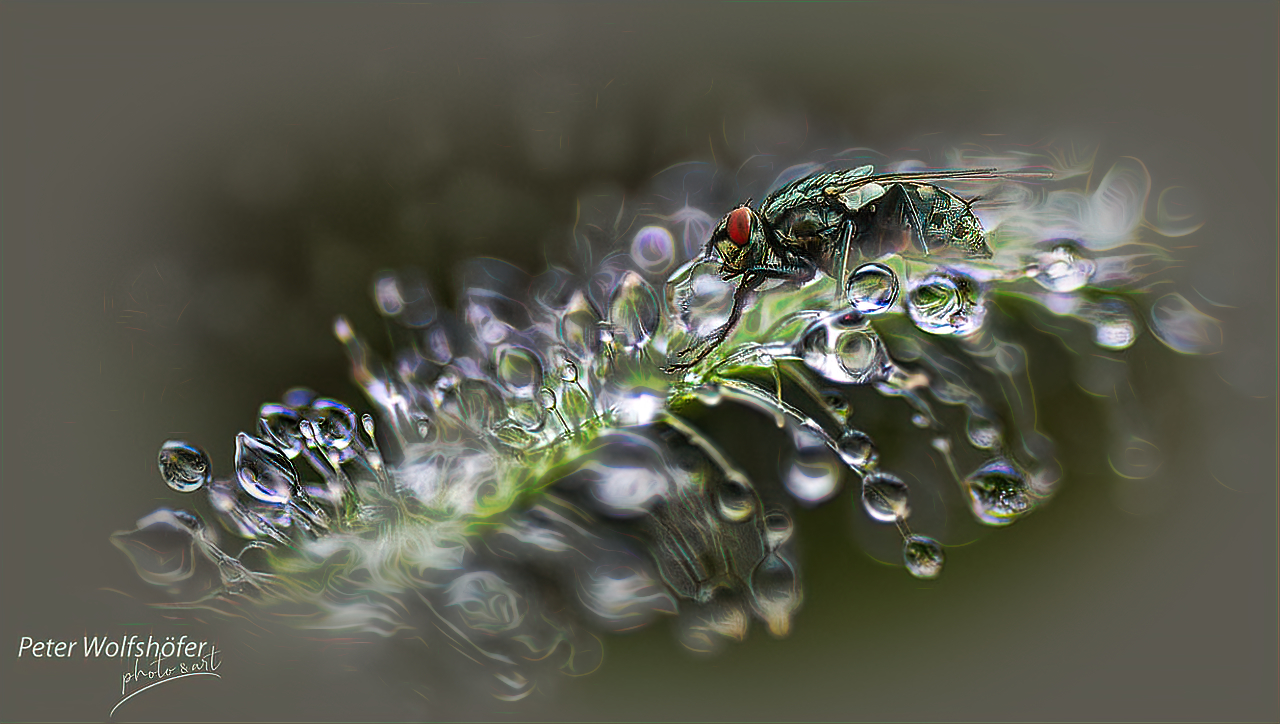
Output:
x=739 y=240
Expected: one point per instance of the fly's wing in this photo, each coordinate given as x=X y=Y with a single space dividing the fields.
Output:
x=812 y=190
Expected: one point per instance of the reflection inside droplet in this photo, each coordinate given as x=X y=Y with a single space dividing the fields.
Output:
x=872 y=289
x=184 y=467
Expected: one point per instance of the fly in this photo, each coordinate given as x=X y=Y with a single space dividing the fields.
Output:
x=827 y=222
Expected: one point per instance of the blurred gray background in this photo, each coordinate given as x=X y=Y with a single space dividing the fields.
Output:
x=192 y=192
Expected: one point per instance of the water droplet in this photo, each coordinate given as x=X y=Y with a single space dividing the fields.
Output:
x=919 y=420
x=947 y=304
x=334 y=425
x=1113 y=324
x=857 y=450
x=699 y=298
x=653 y=249
x=885 y=497
x=983 y=433
x=998 y=492
x=519 y=371
x=184 y=467
x=923 y=556
x=1064 y=268
x=844 y=348
x=263 y=471
x=580 y=327
x=1183 y=328
x=633 y=312
x=872 y=289
x=279 y=424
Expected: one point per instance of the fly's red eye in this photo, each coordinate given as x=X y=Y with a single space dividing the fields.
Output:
x=740 y=225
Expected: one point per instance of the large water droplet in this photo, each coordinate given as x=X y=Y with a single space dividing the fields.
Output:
x=885 y=497
x=998 y=492
x=184 y=467
x=923 y=556
x=872 y=289
x=1064 y=268
x=519 y=371
x=580 y=327
x=633 y=312
x=263 y=471
x=844 y=348
x=699 y=298
x=947 y=303
x=653 y=249
x=1176 y=322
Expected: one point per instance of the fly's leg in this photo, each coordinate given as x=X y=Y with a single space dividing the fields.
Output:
x=708 y=343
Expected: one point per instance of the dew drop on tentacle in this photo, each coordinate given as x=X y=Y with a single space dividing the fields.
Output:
x=923 y=556
x=947 y=303
x=519 y=371
x=857 y=450
x=1063 y=268
x=334 y=425
x=633 y=312
x=263 y=471
x=872 y=289
x=885 y=497
x=184 y=467
x=699 y=298
x=999 y=492
x=843 y=347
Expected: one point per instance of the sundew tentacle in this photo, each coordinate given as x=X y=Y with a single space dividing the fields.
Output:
x=532 y=472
